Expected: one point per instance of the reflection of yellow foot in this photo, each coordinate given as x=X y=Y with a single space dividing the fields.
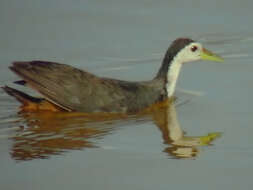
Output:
x=205 y=140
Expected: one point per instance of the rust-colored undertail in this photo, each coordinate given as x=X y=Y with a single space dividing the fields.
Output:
x=29 y=103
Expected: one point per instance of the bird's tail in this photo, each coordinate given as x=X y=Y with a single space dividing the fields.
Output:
x=21 y=96
x=30 y=103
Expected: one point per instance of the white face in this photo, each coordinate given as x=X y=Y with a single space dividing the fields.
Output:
x=190 y=52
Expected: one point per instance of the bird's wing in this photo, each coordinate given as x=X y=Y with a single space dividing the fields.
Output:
x=71 y=88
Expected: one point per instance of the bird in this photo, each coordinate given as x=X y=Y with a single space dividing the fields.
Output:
x=66 y=88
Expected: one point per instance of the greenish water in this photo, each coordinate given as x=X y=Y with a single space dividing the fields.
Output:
x=127 y=39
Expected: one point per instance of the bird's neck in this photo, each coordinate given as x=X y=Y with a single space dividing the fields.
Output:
x=169 y=72
x=172 y=76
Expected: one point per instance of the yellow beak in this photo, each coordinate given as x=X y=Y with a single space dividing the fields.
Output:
x=208 y=55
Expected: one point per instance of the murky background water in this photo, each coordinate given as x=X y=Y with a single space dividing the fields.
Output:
x=127 y=40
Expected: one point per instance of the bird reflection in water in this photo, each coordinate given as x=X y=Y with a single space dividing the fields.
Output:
x=179 y=145
x=49 y=133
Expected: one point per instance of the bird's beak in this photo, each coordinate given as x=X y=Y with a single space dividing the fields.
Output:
x=208 y=55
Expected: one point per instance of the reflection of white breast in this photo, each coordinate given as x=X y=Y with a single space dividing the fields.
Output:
x=175 y=131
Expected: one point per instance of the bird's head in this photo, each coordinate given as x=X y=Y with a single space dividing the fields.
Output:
x=187 y=50
x=182 y=50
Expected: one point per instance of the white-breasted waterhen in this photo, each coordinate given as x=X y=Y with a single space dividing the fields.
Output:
x=67 y=88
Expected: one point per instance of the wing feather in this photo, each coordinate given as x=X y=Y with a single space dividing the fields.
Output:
x=74 y=89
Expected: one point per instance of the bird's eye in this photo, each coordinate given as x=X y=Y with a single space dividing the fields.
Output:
x=194 y=48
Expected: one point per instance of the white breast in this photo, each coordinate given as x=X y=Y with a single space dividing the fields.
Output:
x=172 y=76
